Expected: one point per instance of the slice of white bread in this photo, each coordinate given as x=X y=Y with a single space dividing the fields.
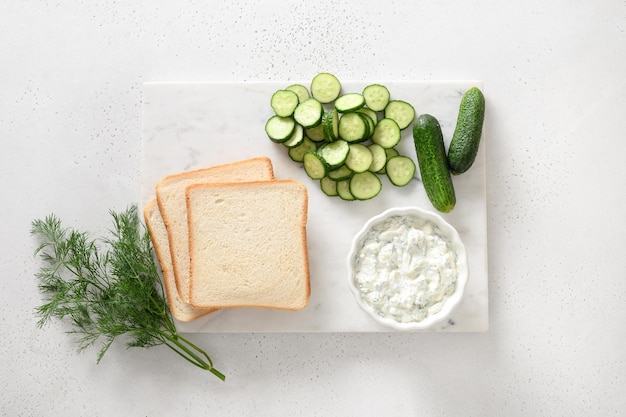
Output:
x=170 y=194
x=247 y=245
x=158 y=234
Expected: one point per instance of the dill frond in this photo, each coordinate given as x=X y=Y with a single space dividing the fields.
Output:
x=108 y=288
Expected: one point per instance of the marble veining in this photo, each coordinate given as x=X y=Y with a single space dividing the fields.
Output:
x=193 y=125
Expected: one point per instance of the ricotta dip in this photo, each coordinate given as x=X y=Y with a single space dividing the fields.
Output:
x=405 y=268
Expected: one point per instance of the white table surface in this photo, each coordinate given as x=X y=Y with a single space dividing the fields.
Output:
x=70 y=125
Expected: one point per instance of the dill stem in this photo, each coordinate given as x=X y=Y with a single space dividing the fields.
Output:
x=189 y=355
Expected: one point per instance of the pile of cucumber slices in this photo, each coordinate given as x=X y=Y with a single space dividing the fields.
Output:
x=344 y=140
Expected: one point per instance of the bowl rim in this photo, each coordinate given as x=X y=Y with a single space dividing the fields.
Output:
x=462 y=266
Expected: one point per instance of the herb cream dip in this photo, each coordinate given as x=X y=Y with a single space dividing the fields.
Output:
x=405 y=268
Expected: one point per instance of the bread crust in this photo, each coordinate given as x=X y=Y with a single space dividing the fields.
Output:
x=156 y=228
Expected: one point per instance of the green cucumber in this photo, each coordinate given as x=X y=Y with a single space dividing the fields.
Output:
x=433 y=163
x=469 y=126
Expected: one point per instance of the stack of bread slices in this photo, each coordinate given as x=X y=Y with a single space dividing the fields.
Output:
x=230 y=236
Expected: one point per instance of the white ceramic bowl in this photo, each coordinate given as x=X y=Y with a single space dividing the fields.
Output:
x=454 y=244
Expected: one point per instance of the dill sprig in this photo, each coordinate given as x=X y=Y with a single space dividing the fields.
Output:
x=107 y=288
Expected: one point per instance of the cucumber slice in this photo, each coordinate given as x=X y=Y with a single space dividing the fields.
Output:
x=308 y=113
x=400 y=111
x=343 y=190
x=376 y=96
x=400 y=170
x=334 y=153
x=365 y=185
x=370 y=125
x=349 y=102
x=371 y=113
x=353 y=127
x=325 y=87
x=330 y=122
x=341 y=173
x=391 y=152
x=296 y=137
x=379 y=157
x=301 y=91
x=314 y=165
x=284 y=102
x=387 y=133
x=297 y=152
x=359 y=158
x=279 y=129
x=329 y=186
x=316 y=134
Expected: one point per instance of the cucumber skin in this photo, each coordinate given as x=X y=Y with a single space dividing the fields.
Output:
x=469 y=126
x=433 y=164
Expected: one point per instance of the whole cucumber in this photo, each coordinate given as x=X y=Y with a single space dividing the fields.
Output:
x=469 y=126
x=433 y=165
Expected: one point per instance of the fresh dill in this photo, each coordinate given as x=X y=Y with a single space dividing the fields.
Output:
x=107 y=288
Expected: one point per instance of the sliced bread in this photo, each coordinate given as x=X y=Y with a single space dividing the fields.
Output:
x=247 y=245
x=158 y=234
x=170 y=194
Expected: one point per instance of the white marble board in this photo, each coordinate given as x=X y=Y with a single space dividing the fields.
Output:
x=194 y=125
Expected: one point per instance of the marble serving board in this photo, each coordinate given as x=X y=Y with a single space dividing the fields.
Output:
x=188 y=126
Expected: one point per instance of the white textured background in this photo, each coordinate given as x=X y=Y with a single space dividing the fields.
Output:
x=555 y=81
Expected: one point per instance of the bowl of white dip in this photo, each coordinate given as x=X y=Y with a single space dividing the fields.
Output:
x=408 y=268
